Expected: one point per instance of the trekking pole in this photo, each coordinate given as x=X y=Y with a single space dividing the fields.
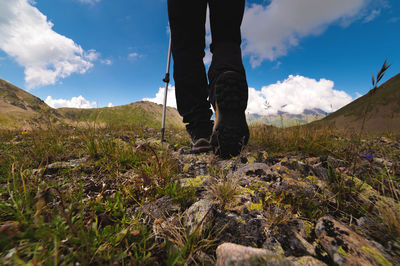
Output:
x=166 y=80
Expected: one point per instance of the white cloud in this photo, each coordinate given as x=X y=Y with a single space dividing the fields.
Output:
x=27 y=36
x=133 y=56
x=110 y=105
x=374 y=14
x=159 y=98
x=91 y=55
x=277 y=65
x=91 y=2
x=269 y=31
x=75 y=102
x=208 y=57
x=295 y=94
x=106 y=62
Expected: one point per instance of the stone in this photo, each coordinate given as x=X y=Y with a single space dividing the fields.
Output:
x=238 y=255
x=161 y=208
x=255 y=169
x=196 y=182
x=305 y=261
x=198 y=214
x=294 y=188
x=373 y=228
x=57 y=166
x=249 y=173
x=344 y=246
x=292 y=237
x=247 y=229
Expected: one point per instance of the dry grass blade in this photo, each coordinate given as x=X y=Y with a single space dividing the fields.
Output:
x=373 y=80
x=381 y=72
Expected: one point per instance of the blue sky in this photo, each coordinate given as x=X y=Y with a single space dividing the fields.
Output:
x=298 y=54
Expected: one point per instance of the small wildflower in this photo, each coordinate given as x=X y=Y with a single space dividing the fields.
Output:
x=280 y=198
x=24 y=132
x=367 y=156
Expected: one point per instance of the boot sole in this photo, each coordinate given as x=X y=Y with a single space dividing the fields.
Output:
x=205 y=147
x=231 y=132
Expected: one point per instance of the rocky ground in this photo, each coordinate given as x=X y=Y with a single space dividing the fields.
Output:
x=281 y=210
x=254 y=209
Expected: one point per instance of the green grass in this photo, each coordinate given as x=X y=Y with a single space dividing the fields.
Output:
x=53 y=217
x=84 y=213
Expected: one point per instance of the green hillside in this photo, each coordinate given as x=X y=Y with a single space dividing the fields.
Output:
x=380 y=109
x=20 y=109
x=138 y=113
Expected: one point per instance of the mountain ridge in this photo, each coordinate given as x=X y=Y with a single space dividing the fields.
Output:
x=284 y=119
x=21 y=110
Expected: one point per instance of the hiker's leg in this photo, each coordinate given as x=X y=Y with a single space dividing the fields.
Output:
x=226 y=17
x=227 y=77
x=187 y=23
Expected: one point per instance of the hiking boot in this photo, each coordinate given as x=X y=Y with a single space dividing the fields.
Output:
x=200 y=145
x=230 y=133
x=200 y=133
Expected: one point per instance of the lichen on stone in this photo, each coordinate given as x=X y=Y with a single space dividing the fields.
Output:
x=342 y=252
x=251 y=160
x=256 y=206
x=379 y=258
x=308 y=228
x=312 y=178
x=186 y=168
x=250 y=191
x=194 y=182
x=241 y=220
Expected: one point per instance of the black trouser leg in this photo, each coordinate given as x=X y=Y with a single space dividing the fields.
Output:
x=226 y=17
x=187 y=23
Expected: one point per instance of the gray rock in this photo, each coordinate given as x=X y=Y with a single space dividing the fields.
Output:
x=294 y=188
x=373 y=228
x=197 y=215
x=292 y=237
x=257 y=171
x=305 y=261
x=246 y=229
x=161 y=208
x=272 y=244
x=238 y=255
x=346 y=247
x=57 y=166
x=321 y=172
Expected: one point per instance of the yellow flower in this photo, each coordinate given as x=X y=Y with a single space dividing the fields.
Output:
x=24 y=132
